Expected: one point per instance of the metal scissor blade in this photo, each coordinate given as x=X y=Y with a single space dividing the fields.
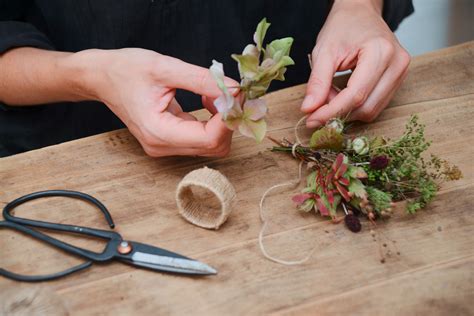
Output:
x=171 y=264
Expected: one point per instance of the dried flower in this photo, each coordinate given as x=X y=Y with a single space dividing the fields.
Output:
x=258 y=67
x=360 y=145
x=336 y=123
x=379 y=162
x=352 y=223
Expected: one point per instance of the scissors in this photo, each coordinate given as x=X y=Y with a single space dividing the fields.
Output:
x=130 y=252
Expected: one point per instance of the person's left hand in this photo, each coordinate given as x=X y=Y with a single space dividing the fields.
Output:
x=354 y=37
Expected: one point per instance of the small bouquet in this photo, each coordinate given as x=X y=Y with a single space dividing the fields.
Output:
x=258 y=67
x=365 y=175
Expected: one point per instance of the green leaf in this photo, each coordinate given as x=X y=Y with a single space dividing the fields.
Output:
x=248 y=65
x=253 y=129
x=255 y=109
x=327 y=138
x=307 y=205
x=259 y=35
x=356 y=172
x=379 y=199
x=357 y=188
x=283 y=46
x=311 y=181
x=377 y=142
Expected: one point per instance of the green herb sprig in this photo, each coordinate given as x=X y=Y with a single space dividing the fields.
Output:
x=367 y=173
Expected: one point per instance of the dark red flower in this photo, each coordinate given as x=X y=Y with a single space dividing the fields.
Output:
x=379 y=162
x=353 y=223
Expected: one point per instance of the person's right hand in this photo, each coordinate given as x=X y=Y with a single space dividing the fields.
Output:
x=139 y=86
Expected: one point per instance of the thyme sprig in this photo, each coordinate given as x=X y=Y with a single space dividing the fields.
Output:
x=368 y=174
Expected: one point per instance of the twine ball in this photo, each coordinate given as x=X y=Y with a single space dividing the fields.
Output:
x=205 y=198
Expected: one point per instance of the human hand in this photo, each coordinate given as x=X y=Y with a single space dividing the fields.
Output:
x=354 y=37
x=139 y=86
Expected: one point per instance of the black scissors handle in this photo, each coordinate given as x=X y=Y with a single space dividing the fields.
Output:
x=18 y=223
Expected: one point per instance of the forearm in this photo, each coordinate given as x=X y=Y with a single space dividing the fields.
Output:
x=30 y=76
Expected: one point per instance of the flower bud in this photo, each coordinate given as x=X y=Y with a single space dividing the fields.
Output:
x=336 y=123
x=360 y=145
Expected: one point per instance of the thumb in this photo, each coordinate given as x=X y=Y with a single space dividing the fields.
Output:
x=182 y=75
x=320 y=82
x=208 y=103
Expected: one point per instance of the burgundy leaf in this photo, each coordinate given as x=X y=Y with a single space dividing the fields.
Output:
x=329 y=177
x=343 y=191
x=340 y=172
x=330 y=197
x=301 y=198
x=321 y=207
x=338 y=162
x=344 y=181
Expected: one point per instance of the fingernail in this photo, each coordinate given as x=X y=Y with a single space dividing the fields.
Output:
x=308 y=103
x=313 y=124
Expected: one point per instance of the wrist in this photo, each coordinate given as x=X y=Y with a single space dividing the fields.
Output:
x=85 y=71
x=376 y=5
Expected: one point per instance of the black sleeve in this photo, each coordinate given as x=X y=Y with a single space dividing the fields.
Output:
x=394 y=11
x=14 y=31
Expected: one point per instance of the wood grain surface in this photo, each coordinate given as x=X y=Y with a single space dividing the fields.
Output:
x=434 y=274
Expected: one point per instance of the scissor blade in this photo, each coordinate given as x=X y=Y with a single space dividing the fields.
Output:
x=171 y=264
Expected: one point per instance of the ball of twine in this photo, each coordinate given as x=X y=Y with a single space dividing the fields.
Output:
x=205 y=198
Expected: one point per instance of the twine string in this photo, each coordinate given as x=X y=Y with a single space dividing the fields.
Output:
x=292 y=183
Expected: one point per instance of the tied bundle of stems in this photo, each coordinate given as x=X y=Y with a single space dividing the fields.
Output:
x=365 y=175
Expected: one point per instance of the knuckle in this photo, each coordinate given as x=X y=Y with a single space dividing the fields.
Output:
x=359 y=97
x=368 y=114
x=405 y=58
x=147 y=139
x=223 y=152
x=150 y=151
x=387 y=46
x=213 y=144
x=316 y=81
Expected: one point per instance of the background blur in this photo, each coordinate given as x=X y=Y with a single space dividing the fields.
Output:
x=437 y=24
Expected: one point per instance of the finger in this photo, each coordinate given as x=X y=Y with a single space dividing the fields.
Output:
x=182 y=75
x=172 y=131
x=176 y=109
x=381 y=96
x=320 y=81
x=332 y=94
x=217 y=143
x=182 y=151
x=368 y=71
x=208 y=103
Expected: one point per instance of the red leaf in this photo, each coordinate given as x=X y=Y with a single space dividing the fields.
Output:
x=321 y=207
x=301 y=198
x=329 y=177
x=340 y=172
x=344 y=181
x=330 y=197
x=338 y=162
x=343 y=191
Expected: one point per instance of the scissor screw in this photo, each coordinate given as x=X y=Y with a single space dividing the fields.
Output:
x=124 y=247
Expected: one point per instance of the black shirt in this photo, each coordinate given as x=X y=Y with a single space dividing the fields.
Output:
x=195 y=31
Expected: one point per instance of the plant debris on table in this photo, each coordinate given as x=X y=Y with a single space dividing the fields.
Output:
x=365 y=175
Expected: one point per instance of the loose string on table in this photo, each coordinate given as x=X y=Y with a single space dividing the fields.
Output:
x=294 y=183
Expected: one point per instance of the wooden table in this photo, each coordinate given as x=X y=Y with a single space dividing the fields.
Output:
x=433 y=275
